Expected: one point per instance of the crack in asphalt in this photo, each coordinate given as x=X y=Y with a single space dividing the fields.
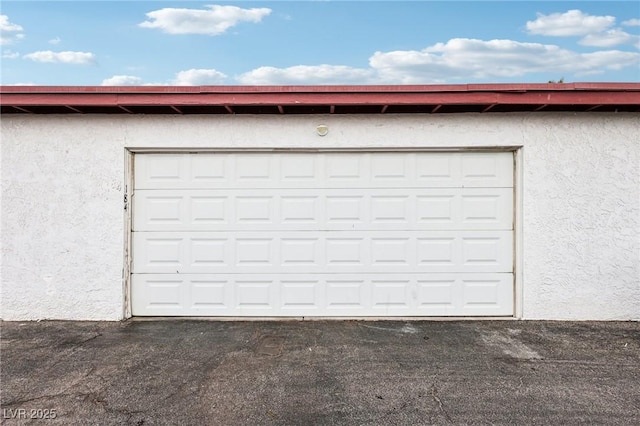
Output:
x=434 y=395
x=73 y=349
x=37 y=398
x=63 y=392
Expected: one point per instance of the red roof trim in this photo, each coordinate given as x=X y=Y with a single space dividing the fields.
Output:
x=297 y=99
x=486 y=97
x=328 y=89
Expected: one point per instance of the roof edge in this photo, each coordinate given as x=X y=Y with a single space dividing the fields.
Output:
x=320 y=99
x=327 y=89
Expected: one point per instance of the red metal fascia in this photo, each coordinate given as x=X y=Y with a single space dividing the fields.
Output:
x=58 y=99
x=291 y=99
x=230 y=96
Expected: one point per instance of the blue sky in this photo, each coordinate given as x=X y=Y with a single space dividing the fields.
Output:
x=317 y=42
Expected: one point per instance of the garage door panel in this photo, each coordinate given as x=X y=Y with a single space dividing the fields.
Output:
x=255 y=209
x=159 y=294
x=487 y=169
x=304 y=169
x=253 y=293
x=323 y=295
x=391 y=293
x=324 y=209
x=345 y=294
x=299 y=210
x=333 y=170
x=252 y=253
x=301 y=294
x=161 y=171
x=255 y=169
x=209 y=293
x=335 y=251
x=346 y=252
x=392 y=168
x=387 y=209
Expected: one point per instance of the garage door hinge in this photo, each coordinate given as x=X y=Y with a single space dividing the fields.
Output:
x=125 y=201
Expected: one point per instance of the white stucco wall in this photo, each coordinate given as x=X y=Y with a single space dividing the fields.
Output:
x=63 y=179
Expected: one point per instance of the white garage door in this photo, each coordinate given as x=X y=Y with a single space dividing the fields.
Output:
x=323 y=234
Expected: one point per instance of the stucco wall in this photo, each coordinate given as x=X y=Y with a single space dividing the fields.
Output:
x=63 y=178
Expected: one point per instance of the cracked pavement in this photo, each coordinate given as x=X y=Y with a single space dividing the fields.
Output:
x=195 y=372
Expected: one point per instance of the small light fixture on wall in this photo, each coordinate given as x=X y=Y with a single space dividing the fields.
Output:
x=322 y=130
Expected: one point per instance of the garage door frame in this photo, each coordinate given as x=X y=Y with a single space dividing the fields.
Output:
x=518 y=174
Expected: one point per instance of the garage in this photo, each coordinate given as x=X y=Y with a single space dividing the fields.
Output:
x=317 y=233
x=235 y=202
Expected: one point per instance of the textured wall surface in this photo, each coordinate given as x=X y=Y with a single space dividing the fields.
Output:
x=63 y=185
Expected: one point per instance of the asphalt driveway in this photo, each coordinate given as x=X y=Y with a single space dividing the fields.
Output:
x=192 y=372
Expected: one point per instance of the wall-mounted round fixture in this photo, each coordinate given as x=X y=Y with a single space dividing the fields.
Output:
x=322 y=130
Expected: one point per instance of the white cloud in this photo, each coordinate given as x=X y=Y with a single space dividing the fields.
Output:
x=9 y=32
x=571 y=23
x=199 y=77
x=21 y=84
x=635 y=22
x=609 y=38
x=478 y=59
x=8 y=54
x=596 y=31
x=122 y=80
x=6 y=26
x=192 y=77
x=63 y=57
x=307 y=74
x=458 y=59
x=56 y=40
x=214 y=20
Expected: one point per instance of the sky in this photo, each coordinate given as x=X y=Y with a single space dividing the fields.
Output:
x=118 y=43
